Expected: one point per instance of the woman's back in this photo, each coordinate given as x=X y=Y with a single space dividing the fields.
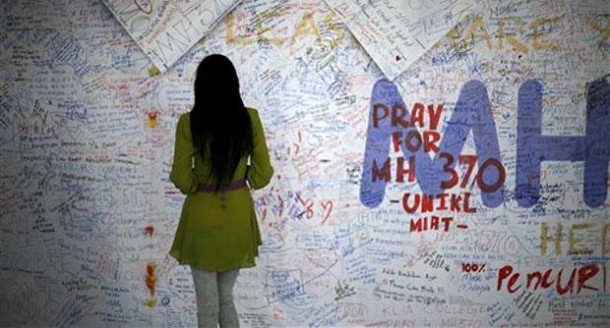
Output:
x=215 y=141
x=259 y=172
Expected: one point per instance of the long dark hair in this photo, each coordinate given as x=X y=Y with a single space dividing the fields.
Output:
x=220 y=124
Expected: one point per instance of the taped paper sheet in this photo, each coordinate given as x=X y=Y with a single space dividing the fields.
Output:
x=165 y=30
x=396 y=33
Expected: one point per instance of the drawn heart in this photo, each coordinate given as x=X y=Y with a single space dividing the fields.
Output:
x=398 y=58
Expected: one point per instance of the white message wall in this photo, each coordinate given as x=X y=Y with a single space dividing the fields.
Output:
x=87 y=213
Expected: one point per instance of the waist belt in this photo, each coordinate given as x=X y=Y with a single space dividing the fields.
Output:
x=231 y=186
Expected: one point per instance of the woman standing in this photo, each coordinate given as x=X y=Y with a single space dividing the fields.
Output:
x=218 y=233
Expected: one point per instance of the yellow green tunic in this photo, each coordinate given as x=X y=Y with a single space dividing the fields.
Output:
x=211 y=237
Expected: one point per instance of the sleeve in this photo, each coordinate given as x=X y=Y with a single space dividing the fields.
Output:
x=182 y=169
x=260 y=171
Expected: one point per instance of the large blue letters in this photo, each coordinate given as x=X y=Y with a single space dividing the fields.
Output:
x=473 y=113
x=593 y=148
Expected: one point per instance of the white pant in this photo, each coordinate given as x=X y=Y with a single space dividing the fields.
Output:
x=214 y=293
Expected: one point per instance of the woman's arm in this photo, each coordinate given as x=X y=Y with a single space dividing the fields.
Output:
x=260 y=171
x=182 y=169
